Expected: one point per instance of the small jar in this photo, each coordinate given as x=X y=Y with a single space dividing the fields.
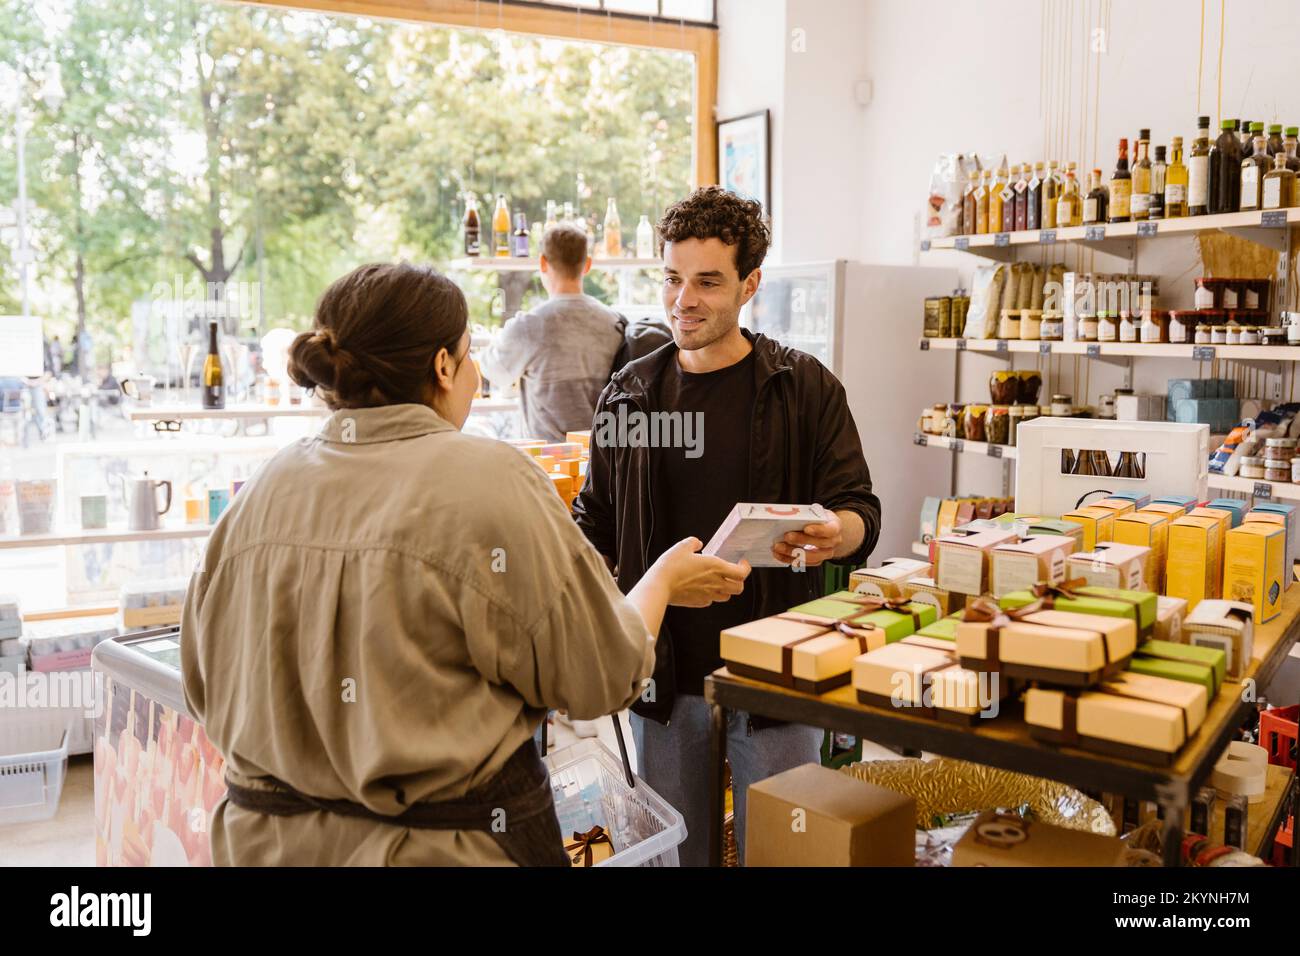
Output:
x=1053 y=329
x=938 y=415
x=1272 y=335
x=1250 y=335
x=1062 y=406
x=1219 y=335
x=1295 y=470
x=1233 y=335
x=1107 y=327
x=1018 y=413
x=1155 y=326
x=1252 y=468
x=1279 y=449
x=1232 y=296
x=1086 y=326
x=974 y=416
x=958 y=418
x=1106 y=407
x=1031 y=324
x=1182 y=326
x=1277 y=471
x=997 y=425
x=1004 y=387
x=1031 y=380
x=1130 y=327
x=1209 y=293
x=1009 y=325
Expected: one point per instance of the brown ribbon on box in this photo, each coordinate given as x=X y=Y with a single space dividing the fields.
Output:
x=582 y=843
x=1070 y=711
x=985 y=610
x=1155 y=656
x=1048 y=593
x=844 y=626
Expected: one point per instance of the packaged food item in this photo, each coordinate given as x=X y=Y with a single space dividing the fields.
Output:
x=65 y=644
x=1206 y=666
x=985 y=302
x=963 y=563
x=886 y=581
x=997 y=838
x=1111 y=565
x=1290 y=516
x=1018 y=565
x=751 y=528
x=924 y=590
x=151 y=603
x=1254 y=562
x=974 y=418
x=997 y=425
x=1031 y=324
x=899 y=675
x=1195 y=545
x=1147 y=530
x=1009 y=324
x=1228 y=626
x=1054 y=647
x=1004 y=387
x=1098 y=525
x=1170 y=612
x=1137 y=606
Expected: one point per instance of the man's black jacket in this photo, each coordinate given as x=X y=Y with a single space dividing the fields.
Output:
x=804 y=449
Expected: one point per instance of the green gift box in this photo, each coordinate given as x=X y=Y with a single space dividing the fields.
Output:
x=896 y=625
x=1137 y=606
x=1057 y=526
x=1206 y=666
x=945 y=628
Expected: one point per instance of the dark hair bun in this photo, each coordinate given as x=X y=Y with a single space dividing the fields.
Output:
x=316 y=361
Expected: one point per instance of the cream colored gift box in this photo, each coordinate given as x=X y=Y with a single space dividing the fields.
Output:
x=962 y=561
x=1134 y=716
x=1227 y=625
x=886 y=581
x=1006 y=839
x=766 y=650
x=1111 y=565
x=1019 y=565
x=1170 y=613
x=1058 y=647
x=923 y=590
x=896 y=675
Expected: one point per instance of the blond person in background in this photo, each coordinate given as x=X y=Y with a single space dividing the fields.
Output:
x=561 y=352
x=388 y=609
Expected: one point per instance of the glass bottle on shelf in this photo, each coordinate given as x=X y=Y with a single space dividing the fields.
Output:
x=1094 y=204
x=1159 y=169
x=501 y=228
x=1069 y=208
x=1121 y=187
x=996 y=198
x=1289 y=148
x=1082 y=463
x=214 y=382
x=1020 y=215
x=1247 y=137
x=1175 y=203
x=520 y=238
x=968 y=202
x=1253 y=169
x=645 y=239
x=1127 y=466
x=1279 y=185
x=1051 y=195
x=1140 y=178
x=551 y=218
x=1274 y=140
x=613 y=246
x=472 y=227
x=1225 y=169
x=982 y=202
x=1034 y=203
x=1198 y=170
x=1100 y=463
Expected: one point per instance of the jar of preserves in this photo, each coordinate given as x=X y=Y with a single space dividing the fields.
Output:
x=997 y=425
x=1053 y=329
x=1209 y=293
x=1219 y=335
x=1062 y=406
x=1182 y=326
x=1277 y=471
x=1252 y=468
x=1155 y=326
x=1031 y=380
x=1107 y=326
x=1250 y=335
x=1233 y=334
x=958 y=418
x=1004 y=387
x=1232 y=297
x=1279 y=449
x=974 y=418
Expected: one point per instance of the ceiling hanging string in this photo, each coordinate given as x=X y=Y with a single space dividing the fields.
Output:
x=1218 y=102
x=1200 y=60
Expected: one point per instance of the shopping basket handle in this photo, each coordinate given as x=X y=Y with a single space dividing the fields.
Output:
x=618 y=735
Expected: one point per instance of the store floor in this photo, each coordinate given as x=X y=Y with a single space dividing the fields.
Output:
x=66 y=840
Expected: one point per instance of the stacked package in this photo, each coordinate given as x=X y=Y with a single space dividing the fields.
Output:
x=65 y=644
x=565 y=463
x=13 y=648
x=151 y=603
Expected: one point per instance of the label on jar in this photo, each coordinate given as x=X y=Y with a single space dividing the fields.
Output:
x=1106 y=330
x=1090 y=210
x=1203 y=298
x=1141 y=203
x=1120 y=192
x=1198 y=178
x=1150 y=332
x=1175 y=192
x=1250 y=186
x=1272 y=193
x=1229 y=297
x=1252 y=297
x=1128 y=332
x=1177 y=331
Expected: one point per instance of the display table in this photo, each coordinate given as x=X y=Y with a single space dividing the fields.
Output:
x=1004 y=742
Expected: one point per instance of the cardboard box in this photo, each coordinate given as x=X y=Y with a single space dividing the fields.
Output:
x=1140 y=408
x=1228 y=626
x=809 y=657
x=1195 y=546
x=1057 y=647
x=947 y=517
x=1288 y=512
x=1140 y=499
x=1121 y=506
x=1185 y=502
x=865 y=611
x=1224 y=517
x=1234 y=506
x=751 y=528
x=1254 y=567
x=1056 y=526
x=1098 y=524
x=1170 y=612
x=944 y=629
x=962 y=563
x=923 y=590
x=1207 y=666
x=1136 y=606
x=885 y=581
x=965 y=513
x=1147 y=529
x=845 y=821
x=1111 y=565
x=1022 y=564
x=930 y=519
x=961 y=696
x=1133 y=717
x=588 y=849
x=580 y=438
x=897 y=675
x=1007 y=839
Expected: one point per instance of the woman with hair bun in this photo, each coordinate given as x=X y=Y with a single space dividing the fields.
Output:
x=384 y=615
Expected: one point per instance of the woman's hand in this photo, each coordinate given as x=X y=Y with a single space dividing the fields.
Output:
x=698 y=580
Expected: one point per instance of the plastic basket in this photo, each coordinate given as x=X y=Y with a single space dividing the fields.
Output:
x=33 y=761
x=590 y=790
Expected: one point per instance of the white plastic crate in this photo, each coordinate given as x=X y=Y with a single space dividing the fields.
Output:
x=33 y=761
x=590 y=789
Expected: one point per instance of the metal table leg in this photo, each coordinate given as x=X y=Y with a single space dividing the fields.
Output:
x=1173 y=801
x=717 y=790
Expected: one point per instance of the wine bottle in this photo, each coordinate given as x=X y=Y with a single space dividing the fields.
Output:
x=214 y=389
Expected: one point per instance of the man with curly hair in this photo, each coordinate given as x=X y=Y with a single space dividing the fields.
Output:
x=776 y=428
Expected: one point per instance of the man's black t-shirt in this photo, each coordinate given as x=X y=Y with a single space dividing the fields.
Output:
x=701 y=492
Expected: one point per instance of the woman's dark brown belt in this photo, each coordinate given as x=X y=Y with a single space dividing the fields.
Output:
x=520 y=791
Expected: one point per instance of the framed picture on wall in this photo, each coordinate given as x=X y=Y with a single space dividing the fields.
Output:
x=744 y=151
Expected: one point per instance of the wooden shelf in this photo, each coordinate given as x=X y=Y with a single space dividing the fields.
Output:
x=981 y=448
x=504 y=264
x=1236 y=353
x=106 y=536
x=1261 y=818
x=1281 y=490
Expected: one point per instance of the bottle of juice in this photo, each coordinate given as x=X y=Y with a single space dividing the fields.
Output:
x=996 y=200
x=1051 y=195
x=982 y=202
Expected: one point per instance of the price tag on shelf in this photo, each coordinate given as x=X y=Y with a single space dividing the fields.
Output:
x=1044 y=348
x=995 y=451
x=962 y=243
x=925 y=245
x=1094 y=350
x=1262 y=489
x=1046 y=237
x=1203 y=353
x=961 y=345
x=1000 y=346
x=1002 y=239
x=956 y=444
x=1094 y=233
x=920 y=439
x=925 y=345
x=1147 y=228
x=1273 y=219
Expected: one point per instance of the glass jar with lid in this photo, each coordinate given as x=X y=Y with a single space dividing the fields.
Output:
x=974 y=417
x=997 y=425
x=1279 y=449
x=1182 y=326
x=1020 y=414
x=1062 y=406
x=1252 y=467
x=1155 y=326
x=1277 y=470
x=1250 y=335
x=1130 y=326
x=1107 y=326
x=1233 y=336
x=1053 y=327
x=1219 y=335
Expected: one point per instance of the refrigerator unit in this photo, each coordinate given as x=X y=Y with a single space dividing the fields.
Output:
x=863 y=322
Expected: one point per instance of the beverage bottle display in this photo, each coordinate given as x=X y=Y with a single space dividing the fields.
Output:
x=1128 y=466
x=996 y=189
x=1279 y=185
x=1094 y=204
x=1176 y=182
x=551 y=219
x=1034 y=206
x=472 y=227
x=520 y=249
x=1140 y=195
x=982 y=203
x=613 y=247
x=501 y=227
x=1051 y=195
x=1121 y=187
x=1069 y=208
x=1289 y=147
x=1225 y=169
x=1253 y=169
x=1009 y=201
x=1244 y=137
x=569 y=216
x=645 y=239
x=1159 y=169
x=968 y=203
x=213 y=385
x=1021 y=216
x=1198 y=170
x=1274 y=139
